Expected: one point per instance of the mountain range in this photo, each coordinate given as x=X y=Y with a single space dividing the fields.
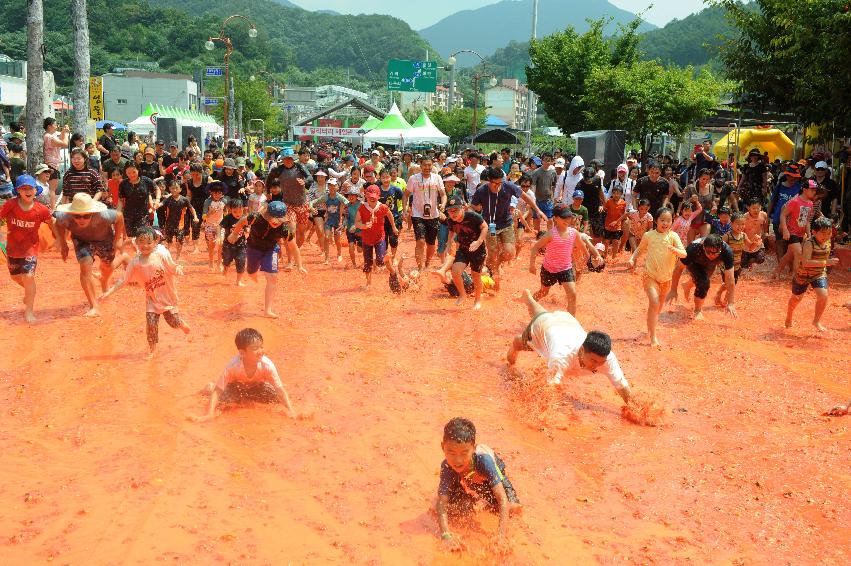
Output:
x=491 y=27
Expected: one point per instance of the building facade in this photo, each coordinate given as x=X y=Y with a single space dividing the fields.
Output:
x=13 y=90
x=428 y=101
x=128 y=93
x=509 y=102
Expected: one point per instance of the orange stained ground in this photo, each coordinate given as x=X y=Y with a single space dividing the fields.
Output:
x=101 y=466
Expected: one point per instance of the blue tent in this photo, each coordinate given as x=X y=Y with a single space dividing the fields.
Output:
x=117 y=125
x=493 y=122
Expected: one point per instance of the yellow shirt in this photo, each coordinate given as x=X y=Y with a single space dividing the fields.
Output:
x=661 y=261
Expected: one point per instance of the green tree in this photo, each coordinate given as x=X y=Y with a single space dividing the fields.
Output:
x=647 y=98
x=562 y=62
x=794 y=56
x=457 y=124
x=256 y=105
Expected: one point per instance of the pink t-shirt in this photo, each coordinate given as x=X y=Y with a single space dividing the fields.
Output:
x=157 y=275
x=52 y=145
x=559 y=254
x=798 y=217
x=266 y=372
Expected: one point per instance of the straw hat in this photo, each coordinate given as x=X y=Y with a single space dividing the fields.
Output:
x=82 y=203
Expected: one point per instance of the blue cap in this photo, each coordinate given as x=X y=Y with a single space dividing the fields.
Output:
x=578 y=194
x=288 y=152
x=27 y=181
x=536 y=161
x=277 y=209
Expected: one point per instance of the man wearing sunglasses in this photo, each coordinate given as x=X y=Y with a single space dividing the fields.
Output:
x=702 y=258
x=96 y=232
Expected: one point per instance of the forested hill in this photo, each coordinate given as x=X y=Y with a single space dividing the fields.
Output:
x=169 y=35
x=691 y=41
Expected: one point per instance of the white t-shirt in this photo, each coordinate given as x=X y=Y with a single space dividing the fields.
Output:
x=557 y=337
x=266 y=372
x=425 y=190
x=473 y=176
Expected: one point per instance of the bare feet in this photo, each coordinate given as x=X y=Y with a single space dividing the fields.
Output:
x=698 y=315
x=459 y=301
x=511 y=356
x=477 y=306
x=29 y=317
x=185 y=327
x=654 y=342
x=788 y=322
x=820 y=327
x=339 y=259
x=92 y=312
x=686 y=291
x=150 y=355
x=270 y=314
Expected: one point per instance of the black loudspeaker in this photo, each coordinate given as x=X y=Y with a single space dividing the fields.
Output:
x=187 y=131
x=167 y=131
x=607 y=146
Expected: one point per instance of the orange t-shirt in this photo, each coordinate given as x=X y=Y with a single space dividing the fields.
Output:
x=614 y=211
x=112 y=185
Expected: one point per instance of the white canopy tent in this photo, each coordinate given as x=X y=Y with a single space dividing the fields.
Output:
x=425 y=132
x=392 y=130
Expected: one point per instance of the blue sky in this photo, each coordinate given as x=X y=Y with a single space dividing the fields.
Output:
x=417 y=17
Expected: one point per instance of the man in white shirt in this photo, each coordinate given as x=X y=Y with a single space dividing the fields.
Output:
x=558 y=192
x=568 y=349
x=473 y=174
x=426 y=209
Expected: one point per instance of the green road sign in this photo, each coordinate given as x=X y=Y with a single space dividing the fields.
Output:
x=412 y=76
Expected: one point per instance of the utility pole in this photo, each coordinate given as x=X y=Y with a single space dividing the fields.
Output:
x=231 y=118
x=241 y=130
x=35 y=83
x=530 y=96
x=82 y=67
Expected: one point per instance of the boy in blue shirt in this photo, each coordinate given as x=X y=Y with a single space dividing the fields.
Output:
x=471 y=473
x=392 y=196
x=352 y=233
x=333 y=215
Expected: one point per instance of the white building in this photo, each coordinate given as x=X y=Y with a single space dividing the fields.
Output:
x=428 y=101
x=13 y=90
x=509 y=101
x=128 y=93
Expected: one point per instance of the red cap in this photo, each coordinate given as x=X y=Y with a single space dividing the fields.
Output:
x=369 y=169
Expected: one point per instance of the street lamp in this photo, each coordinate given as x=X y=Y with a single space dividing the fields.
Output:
x=476 y=78
x=451 y=62
x=210 y=45
x=361 y=133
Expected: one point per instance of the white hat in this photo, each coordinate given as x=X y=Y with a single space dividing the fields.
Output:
x=320 y=173
x=83 y=203
x=41 y=169
x=332 y=181
x=560 y=162
x=821 y=165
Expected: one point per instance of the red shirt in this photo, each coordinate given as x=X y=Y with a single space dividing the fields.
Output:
x=799 y=215
x=372 y=236
x=22 y=240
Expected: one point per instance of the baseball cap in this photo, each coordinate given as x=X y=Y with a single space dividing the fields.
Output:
x=25 y=181
x=623 y=167
x=821 y=165
x=372 y=191
x=560 y=162
x=455 y=202
x=288 y=152
x=332 y=181
x=562 y=210
x=369 y=169
x=277 y=209
x=375 y=152
x=792 y=171
x=536 y=161
x=320 y=173
x=578 y=194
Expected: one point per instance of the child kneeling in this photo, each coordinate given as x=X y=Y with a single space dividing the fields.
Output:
x=250 y=375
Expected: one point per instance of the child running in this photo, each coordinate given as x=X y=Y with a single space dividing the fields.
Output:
x=155 y=270
x=640 y=221
x=812 y=271
x=471 y=473
x=24 y=217
x=178 y=210
x=214 y=211
x=738 y=240
x=234 y=249
x=615 y=209
x=370 y=220
x=250 y=375
x=560 y=242
x=472 y=230
x=334 y=205
x=689 y=210
x=663 y=246
x=353 y=234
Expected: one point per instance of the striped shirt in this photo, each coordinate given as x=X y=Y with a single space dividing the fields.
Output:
x=76 y=181
x=559 y=254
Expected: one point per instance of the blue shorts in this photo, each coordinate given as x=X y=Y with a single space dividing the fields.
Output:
x=22 y=265
x=353 y=238
x=267 y=262
x=103 y=250
x=546 y=207
x=801 y=288
x=234 y=254
x=380 y=250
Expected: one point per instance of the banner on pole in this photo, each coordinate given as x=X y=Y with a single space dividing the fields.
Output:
x=96 y=98
x=325 y=132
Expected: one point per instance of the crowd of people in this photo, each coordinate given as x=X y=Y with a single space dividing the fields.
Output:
x=135 y=209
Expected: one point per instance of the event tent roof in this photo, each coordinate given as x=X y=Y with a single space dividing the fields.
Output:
x=391 y=130
x=370 y=123
x=424 y=131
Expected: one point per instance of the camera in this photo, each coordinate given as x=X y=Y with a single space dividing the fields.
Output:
x=427 y=210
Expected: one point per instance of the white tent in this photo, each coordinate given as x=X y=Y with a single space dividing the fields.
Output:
x=425 y=132
x=392 y=130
